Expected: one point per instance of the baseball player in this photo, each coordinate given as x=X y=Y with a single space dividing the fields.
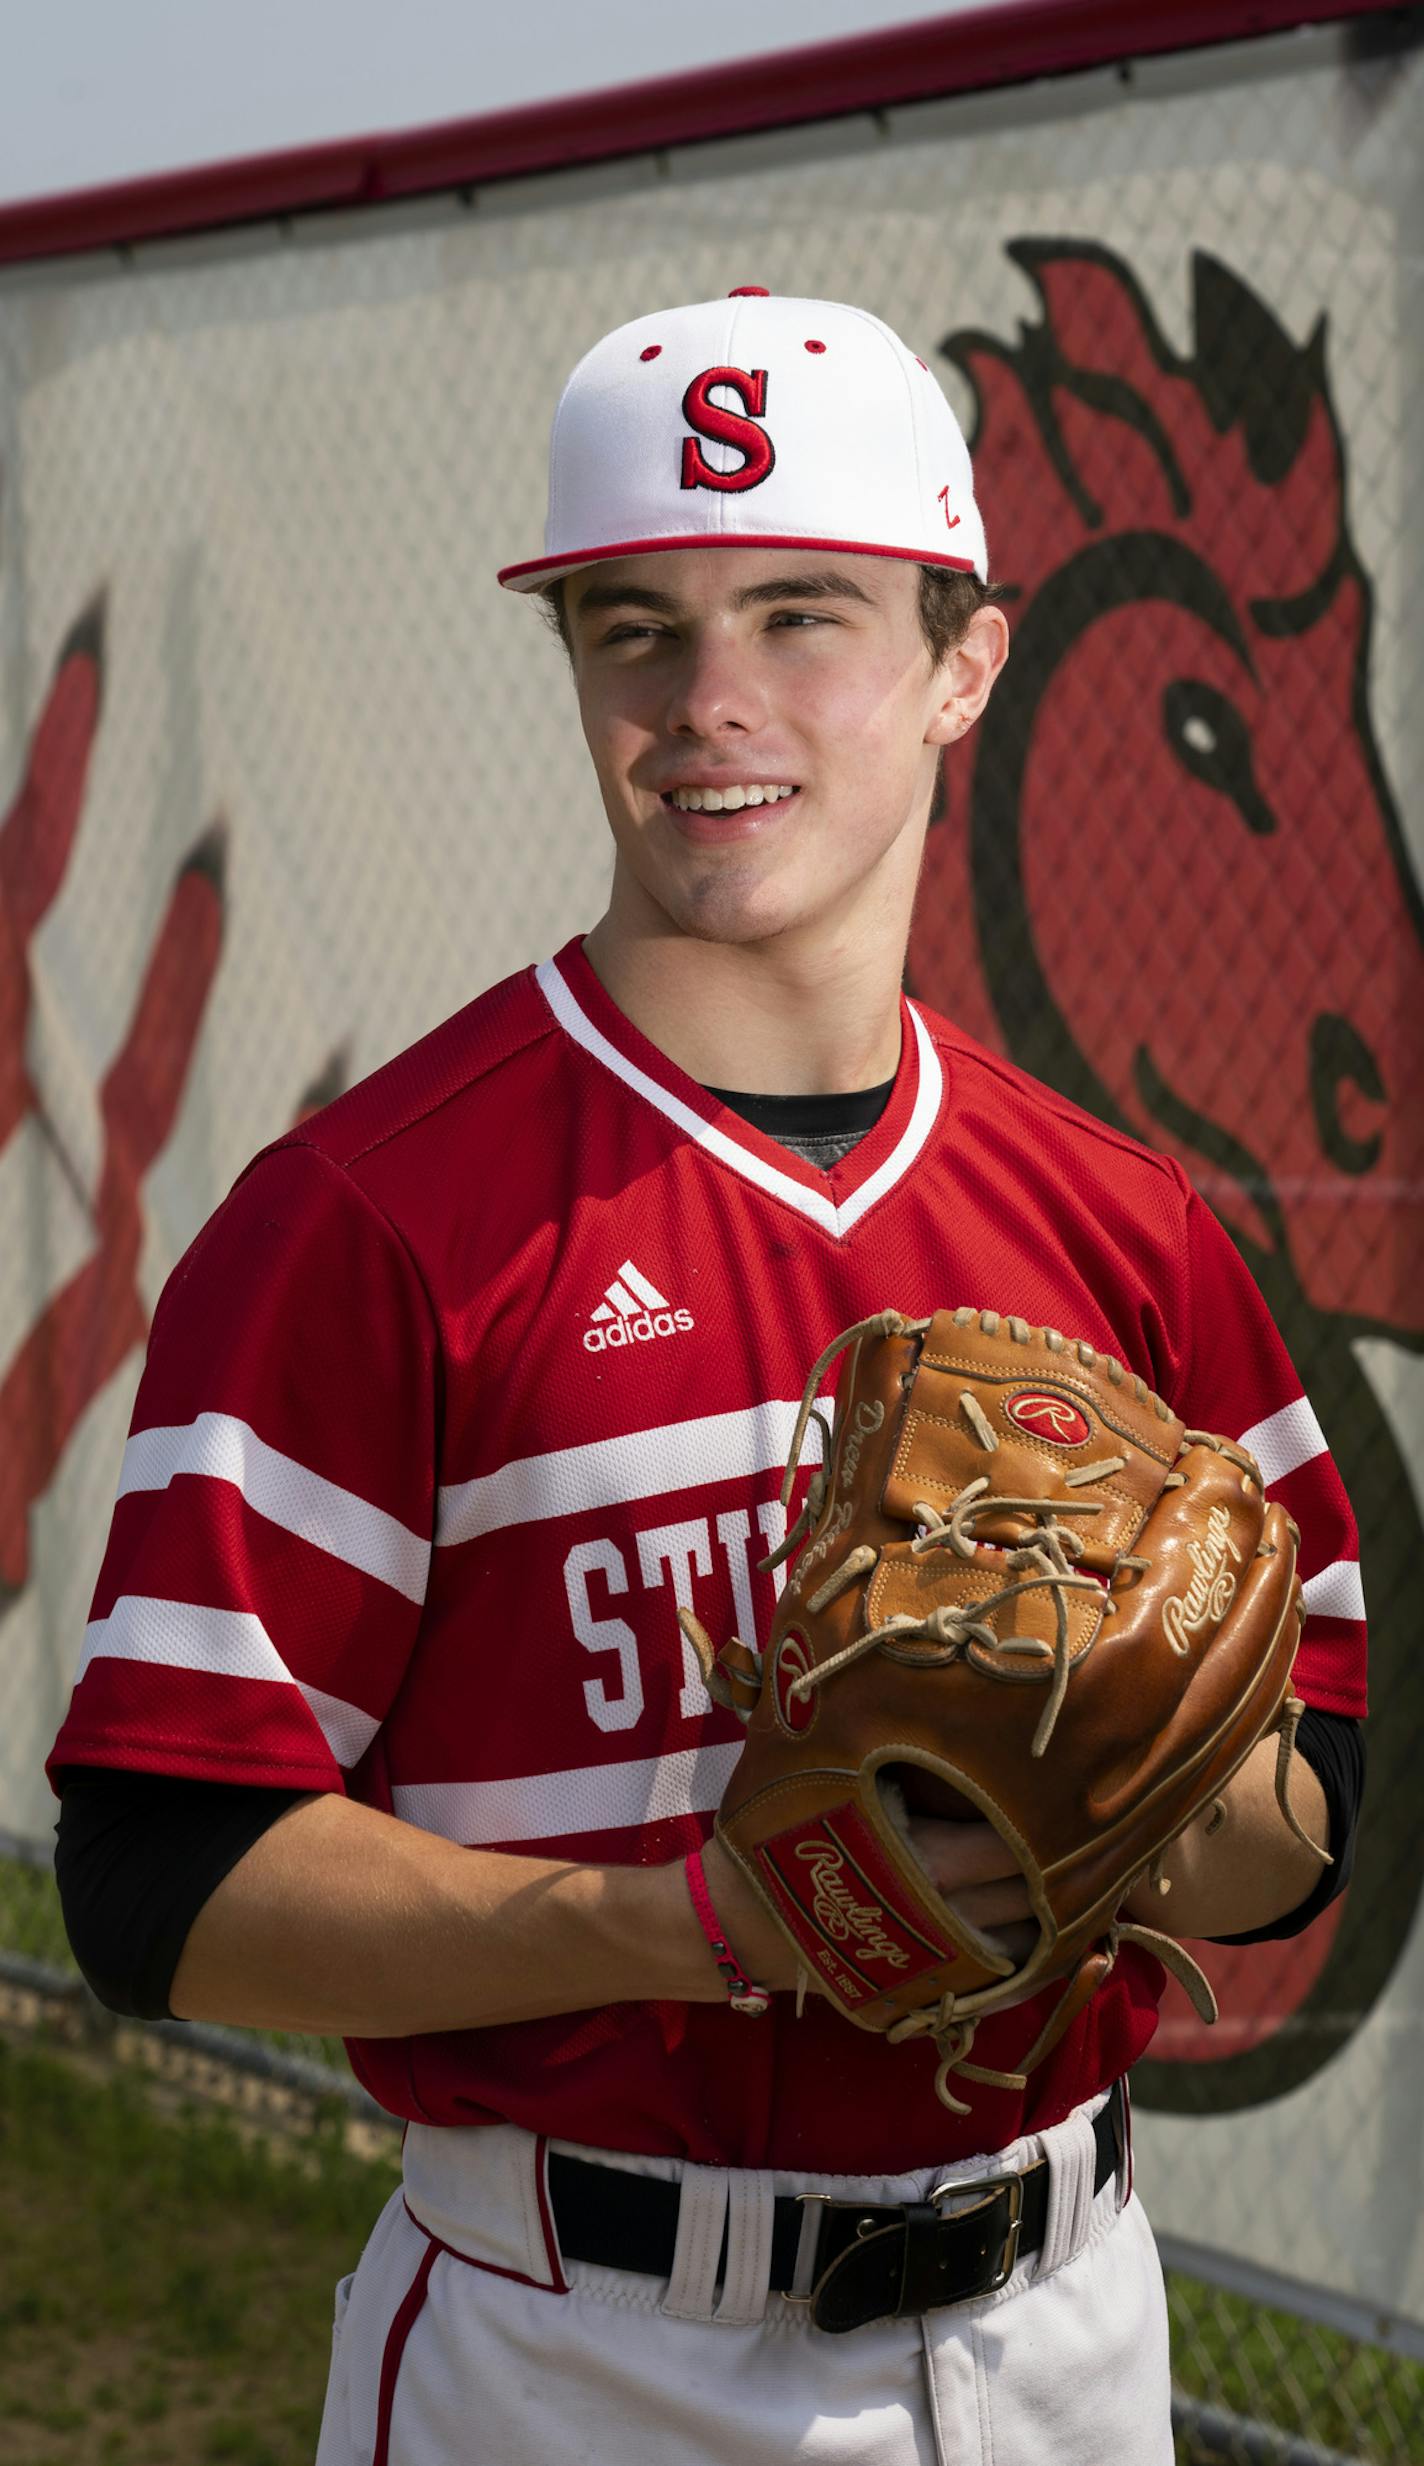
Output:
x=385 y=1724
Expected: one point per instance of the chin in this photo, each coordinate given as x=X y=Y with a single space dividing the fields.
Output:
x=738 y=923
x=718 y=907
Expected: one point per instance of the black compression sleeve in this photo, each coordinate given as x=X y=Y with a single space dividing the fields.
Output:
x=136 y=1856
x=1334 y=1748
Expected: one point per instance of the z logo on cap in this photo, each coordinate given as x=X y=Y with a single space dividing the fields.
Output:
x=723 y=427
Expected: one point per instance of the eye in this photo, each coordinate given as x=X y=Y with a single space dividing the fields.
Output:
x=644 y=631
x=1211 y=740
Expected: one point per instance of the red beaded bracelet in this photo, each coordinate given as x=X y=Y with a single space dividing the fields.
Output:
x=742 y=1994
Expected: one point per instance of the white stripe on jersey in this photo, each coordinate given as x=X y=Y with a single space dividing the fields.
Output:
x=1286 y=1440
x=218 y=1447
x=916 y=1131
x=642 y=1464
x=180 y=1635
x=347 y=1730
x=813 y=1203
x=573 y=1021
x=547 y=1805
x=1335 y=1591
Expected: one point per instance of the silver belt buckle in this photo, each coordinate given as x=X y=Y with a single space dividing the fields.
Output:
x=1011 y=2186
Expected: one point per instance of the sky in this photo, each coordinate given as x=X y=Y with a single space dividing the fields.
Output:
x=101 y=90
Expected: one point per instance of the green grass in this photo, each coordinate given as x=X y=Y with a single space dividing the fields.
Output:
x=30 y=1923
x=29 y=1915
x=1300 y=2378
x=166 y=2292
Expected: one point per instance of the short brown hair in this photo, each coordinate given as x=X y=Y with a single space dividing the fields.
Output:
x=948 y=600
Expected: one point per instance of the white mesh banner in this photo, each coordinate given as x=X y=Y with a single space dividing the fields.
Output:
x=284 y=779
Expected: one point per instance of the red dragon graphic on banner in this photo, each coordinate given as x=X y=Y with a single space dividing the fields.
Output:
x=1169 y=880
x=90 y=1326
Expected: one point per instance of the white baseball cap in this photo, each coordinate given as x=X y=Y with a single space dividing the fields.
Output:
x=755 y=421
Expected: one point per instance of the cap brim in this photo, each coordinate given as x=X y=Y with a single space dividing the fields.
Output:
x=538 y=570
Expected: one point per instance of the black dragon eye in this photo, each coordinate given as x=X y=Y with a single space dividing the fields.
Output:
x=1211 y=740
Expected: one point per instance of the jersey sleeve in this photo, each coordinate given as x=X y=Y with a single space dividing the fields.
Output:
x=267 y=1560
x=1236 y=1377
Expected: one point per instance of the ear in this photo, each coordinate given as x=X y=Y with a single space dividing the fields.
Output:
x=963 y=681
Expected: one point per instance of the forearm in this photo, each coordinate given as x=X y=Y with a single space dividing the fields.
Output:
x=343 y=1921
x=1228 y=1877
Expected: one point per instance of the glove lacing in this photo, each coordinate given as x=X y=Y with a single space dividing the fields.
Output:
x=1046 y=1562
x=953 y=2033
x=882 y=1323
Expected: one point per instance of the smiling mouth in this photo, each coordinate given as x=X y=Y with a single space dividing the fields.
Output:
x=730 y=799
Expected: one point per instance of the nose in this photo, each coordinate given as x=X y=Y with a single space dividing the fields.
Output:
x=715 y=692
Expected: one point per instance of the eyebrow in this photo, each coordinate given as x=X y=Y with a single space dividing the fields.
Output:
x=815 y=585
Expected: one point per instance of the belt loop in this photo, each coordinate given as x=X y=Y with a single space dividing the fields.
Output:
x=1071 y=2152
x=701 y=2213
x=750 y=2214
x=808 y=2243
x=1121 y=2097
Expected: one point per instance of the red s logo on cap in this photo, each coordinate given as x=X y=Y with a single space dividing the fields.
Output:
x=727 y=428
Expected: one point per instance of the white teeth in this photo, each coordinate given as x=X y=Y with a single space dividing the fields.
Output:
x=726 y=800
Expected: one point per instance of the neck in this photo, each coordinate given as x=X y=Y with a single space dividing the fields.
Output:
x=815 y=1011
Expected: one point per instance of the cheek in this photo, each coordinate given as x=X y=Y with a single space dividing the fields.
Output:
x=868 y=724
x=616 y=737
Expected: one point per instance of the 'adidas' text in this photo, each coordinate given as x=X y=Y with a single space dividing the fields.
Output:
x=632 y=1311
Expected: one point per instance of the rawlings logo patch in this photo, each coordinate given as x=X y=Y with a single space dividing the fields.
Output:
x=840 y=1914
x=841 y=1898
x=1050 y=1417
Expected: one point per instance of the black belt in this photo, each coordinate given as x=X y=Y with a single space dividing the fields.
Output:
x=870 y=2263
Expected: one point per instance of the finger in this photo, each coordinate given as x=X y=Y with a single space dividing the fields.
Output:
x=992 y=1905
x=957 y=1854
x=1015 y=1942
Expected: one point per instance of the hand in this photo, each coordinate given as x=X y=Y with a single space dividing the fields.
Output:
x=968 y=1863
x=972 y=1866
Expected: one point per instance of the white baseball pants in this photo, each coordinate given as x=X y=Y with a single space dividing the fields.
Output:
x=463 y=2340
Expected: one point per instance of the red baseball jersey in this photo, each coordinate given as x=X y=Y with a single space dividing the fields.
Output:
x=482 y=1371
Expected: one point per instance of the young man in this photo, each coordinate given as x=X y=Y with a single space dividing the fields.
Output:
x=542 y=1294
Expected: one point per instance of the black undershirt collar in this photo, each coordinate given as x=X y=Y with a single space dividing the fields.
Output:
x=844 y=1115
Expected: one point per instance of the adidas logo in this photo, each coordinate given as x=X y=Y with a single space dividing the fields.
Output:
x=632 y=1312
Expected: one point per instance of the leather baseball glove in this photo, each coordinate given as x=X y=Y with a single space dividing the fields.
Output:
x=1022 y=1592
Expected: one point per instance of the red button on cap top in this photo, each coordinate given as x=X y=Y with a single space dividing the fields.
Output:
x=750 y=291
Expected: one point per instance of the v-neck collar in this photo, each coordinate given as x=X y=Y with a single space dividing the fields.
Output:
x=836 y=1201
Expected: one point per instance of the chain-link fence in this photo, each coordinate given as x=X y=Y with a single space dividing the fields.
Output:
x=285 y=780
